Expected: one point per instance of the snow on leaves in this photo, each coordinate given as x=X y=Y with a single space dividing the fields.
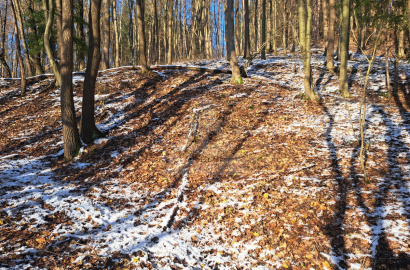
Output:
x=269 y=181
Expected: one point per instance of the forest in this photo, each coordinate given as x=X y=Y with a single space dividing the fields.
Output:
x=204 y=134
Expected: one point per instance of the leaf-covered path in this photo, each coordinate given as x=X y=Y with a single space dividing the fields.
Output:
x=269 y=182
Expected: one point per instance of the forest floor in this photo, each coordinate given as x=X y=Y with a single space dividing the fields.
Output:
x=270 y=181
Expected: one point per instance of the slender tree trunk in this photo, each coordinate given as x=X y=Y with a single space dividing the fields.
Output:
x=169 y=30
x=305 y=30
x=237 y=28
x=81 y=35
x=59 y=28
x=49 y=10
x=247 y=45
x=256 y=24
x=17 y=10
x=408 y=16
x=230 y=43
x=70 y=130
x=284 y=29
x=273 y=18
x=88 y=130
x=157 y=39
x=263 y=36
x=117 y=34
x=401 y=53
x=6 y=67
x=23 y=82
x=331 y=37
x=325 y=23
x=141 y=36
x=344 y=48
x=106 y=35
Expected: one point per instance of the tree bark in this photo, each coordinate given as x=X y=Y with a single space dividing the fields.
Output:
x=59 y=28
x=141 y=37
x=263 y=55
x=20 y=28
x=88 y=130
x=23 y=82
x=256 y=25
x=81 y=35
x=344 y=48
x=331 y=37
x=325 y=22
x=305 y=30
x=408 y=16
x=117 y=35
x=237 y=28
x=106 y=35
x=70 y=131
x=4 y=63
x=247 y=43
x=230 y=44
x=49 y=9
x=169 y=30
x=273 y=18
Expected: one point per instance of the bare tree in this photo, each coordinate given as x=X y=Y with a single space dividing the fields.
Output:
x=331 y=36
x=344 y=47
x=141 y=36
x=247 y=40
x=3 y=40
x=70 y=131
x=305 y=30
x=20 y=28
x=23 y=82
x=81 y=35
x=117 y=34
x=106 y=34
x=49 y=9
x=230 y=44
x=89 y=132
x=169 y=30
x=263 y=36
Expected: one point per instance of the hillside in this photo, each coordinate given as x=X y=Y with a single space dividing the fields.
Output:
x=270 y=181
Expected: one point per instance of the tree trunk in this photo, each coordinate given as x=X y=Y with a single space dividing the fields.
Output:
x=23 y=82
x=237 y=28
x=49 y=18
x=273 y=18
x=325 y=23
x=247 y=45
x=305 y=30
x=88 y=130
x=6 y=67
x=106 y=35
x=169 y=30
x=263 y=36
x=401 y=53
x=256 y=25
x=17 y=10
x=59 y=28
x=230 y=43
x=81 y=35
x=117 y=34
x=344 y=48
x=331 y=37
x=408 y=16
x=70 y=131
x=141 y=36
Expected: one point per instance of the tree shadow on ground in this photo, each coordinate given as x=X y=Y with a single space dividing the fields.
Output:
x=382 y=256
